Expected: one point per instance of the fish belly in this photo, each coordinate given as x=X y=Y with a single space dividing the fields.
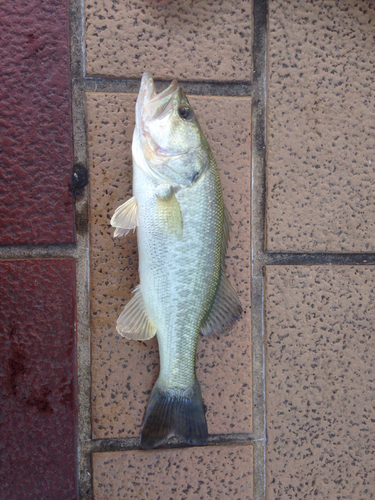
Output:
x=179 y=274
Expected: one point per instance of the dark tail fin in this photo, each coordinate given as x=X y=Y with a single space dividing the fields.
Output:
x=174 y=413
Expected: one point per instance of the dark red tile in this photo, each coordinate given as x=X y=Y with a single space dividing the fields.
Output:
x=37 y=380
x=35 y=123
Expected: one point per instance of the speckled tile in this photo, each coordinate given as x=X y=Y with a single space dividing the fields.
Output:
x=320 y=370
x=124 y=371
x=321 y=133
x=38 y=409
x=186 y=474
x=195 y=41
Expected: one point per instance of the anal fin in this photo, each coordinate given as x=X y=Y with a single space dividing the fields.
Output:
x=134 y=323
x=226 y=308
x=125 y=217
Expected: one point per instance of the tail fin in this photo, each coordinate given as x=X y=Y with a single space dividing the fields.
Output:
x=174 y=413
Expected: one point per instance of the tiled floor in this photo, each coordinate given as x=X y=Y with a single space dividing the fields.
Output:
x=224 y=362
x=207 y=41
x=190 y=473
x=320 y=381
x=321 y=140
x=284 y=92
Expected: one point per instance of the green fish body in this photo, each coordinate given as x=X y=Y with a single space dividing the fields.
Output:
x=183 y=231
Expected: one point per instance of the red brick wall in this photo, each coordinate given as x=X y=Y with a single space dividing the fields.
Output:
x=38 y=376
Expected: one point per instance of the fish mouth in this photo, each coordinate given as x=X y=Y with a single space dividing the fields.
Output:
x=153 y=106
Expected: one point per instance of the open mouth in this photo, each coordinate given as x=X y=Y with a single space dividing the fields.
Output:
x=166 y=93
x=155 y=105
x=152 y=106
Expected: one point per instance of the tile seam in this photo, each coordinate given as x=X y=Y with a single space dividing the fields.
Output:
x=83 y=48
x=71 y=250
x=81 y=253
x=62 y=251
x=309 y=259
x=128 y=444
x=123 y=85
x=258 y=188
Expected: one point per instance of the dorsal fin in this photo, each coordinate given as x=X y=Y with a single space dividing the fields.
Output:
x=134 y=323
x=226 y=308
x=125 y=217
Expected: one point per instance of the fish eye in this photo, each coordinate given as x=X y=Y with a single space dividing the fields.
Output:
x=185 y=112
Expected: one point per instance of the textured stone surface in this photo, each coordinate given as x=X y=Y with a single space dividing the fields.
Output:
x=125 y=371
x=196 y=41
x=321 y=132
x=320 y=382
x=37 y=380
x=186 y=474
x=35 y=129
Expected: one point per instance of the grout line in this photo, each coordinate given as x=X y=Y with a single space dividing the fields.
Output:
x=84 y=472
x=258 y=188
x=62 y=251
x=84 y=375
x=126 y=444
x=109 y=85
x=82 y=39
x=71 y=250
x=311 y=259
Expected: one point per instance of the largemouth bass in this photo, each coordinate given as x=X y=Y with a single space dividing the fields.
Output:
x=182 y=232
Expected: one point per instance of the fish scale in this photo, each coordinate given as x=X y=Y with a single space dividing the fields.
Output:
x=175 y=271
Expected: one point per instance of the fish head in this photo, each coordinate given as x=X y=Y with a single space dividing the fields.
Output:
x=168 y=142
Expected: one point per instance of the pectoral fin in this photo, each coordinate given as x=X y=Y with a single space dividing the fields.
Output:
x=125 y=217
x=134 y=323
x=226 y=308
x=169 y=214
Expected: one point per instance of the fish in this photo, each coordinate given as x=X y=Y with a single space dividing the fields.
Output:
x=183 y=228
